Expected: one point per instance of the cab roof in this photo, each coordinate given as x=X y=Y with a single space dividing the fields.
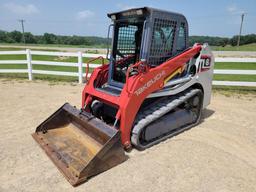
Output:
x=142 y=11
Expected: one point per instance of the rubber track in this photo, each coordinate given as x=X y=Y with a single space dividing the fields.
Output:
x=155 y=112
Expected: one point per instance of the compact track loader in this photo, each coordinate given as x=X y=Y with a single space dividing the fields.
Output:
x=154 y=87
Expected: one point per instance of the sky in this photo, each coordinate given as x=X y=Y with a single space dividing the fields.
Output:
x=89 y=17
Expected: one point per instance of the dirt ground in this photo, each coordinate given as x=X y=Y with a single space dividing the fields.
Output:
x=217 y=155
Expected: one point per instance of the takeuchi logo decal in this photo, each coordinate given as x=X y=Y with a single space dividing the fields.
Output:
x=149 y=83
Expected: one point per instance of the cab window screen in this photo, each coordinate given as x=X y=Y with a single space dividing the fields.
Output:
x=126 y=49
x=181 y=44
x=126 y=41
x=162 y=41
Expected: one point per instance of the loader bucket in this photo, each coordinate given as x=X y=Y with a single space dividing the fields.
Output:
x=79 y=144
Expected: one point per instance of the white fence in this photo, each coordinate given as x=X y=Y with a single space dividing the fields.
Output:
x=30 y=62
x=79 y=64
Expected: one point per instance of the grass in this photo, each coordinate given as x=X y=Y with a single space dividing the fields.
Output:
x=54 y=45
x=53 y=78
x=250 y=78
x=43 y=57
x=230 y=65
x=12 y=57
x=47 y=58
x=21 y=48
x=40 y=67
x=230 y=90
x=10 y=49
x=50 y=78
x=248 y=47
x=249 y=66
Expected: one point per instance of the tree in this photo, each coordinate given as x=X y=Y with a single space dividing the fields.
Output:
x=2 y=36
x=30 y=38
x=5 y=38
x=16 y=36
x=49 y=38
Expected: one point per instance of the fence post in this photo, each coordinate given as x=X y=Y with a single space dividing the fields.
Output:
x=29 y=64
x=80 y=67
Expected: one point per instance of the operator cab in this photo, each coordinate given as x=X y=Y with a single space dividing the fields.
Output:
x=144 y=33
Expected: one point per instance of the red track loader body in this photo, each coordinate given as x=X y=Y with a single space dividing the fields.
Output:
x=136 y=89
x=154 y=87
